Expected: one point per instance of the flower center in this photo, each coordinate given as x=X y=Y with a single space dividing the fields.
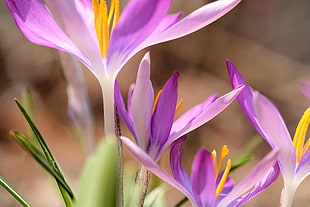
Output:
x=217 y=167
x=103 y=20
x=300 y=136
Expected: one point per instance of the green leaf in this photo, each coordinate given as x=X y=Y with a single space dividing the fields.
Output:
x=99 y=180
x=67 y=196
x=241 y=162
x=28 y=103
x=39 y=157
x=156 y=197
x=18 y=197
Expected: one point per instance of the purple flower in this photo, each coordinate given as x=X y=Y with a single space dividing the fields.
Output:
x=152 y=124
x=206 y=186
x=294 y=157
x=103 y=39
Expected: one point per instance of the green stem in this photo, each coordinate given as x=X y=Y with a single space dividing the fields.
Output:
x=18 y=197
x=140 y=188
x=181 y=202
x=107 y=87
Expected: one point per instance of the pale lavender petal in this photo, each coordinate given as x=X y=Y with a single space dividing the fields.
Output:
x=203 y=178
x=166 y=22
x=37 y=24
x=193 y=22
x=151 y=165
x=259 y=187
x=85 y=10
x=191 y=114
x=129 y=100
x=255 y=176
x=305 y=88
x=138 y=20
x=67 y=16
x=209 y=112
x=163 y=115
x=78 y=102
x=142 y=103
x=274 y=128
x=121 y=109
x=177 y=170
x=303 y=169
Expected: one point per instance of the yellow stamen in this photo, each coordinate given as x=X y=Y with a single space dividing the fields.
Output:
x=156 y=100
x=300 y=135
x=114 y=12
x=102 y=22
x=214 y=158
x=177 y=108
x=223 y=179
x=224 y=153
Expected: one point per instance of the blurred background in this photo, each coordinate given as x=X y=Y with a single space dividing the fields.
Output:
x=268 y=41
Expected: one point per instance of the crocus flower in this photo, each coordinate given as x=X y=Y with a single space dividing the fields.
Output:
x=101 y=38
x=305 y=88
x=207 y=186
x=294 y=158
x=152 y=124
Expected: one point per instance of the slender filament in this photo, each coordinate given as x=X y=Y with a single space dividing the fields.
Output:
x=222 y=182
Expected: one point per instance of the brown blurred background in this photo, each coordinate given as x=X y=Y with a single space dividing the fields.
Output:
x=268 y=41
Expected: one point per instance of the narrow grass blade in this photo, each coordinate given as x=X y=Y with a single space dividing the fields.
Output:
x=241 y=162
x=18 y=197
x=39 y=157
x=48 y=154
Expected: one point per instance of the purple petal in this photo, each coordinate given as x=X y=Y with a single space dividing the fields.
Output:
x=266 y=119
x=255 y=176
x=151 y=165
x=193 y=22
x=67 y=16
x=203 y=178
x=163 y=115
x=177 y=170
x=138 y=20
x=260 y=186
x=37 y=24
x=273 y=127
x=121 y=109
x=209 y=112
x=142 y=103
x=191 y=114
x=245 y=98
x=303 y=169
x=166 y=22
